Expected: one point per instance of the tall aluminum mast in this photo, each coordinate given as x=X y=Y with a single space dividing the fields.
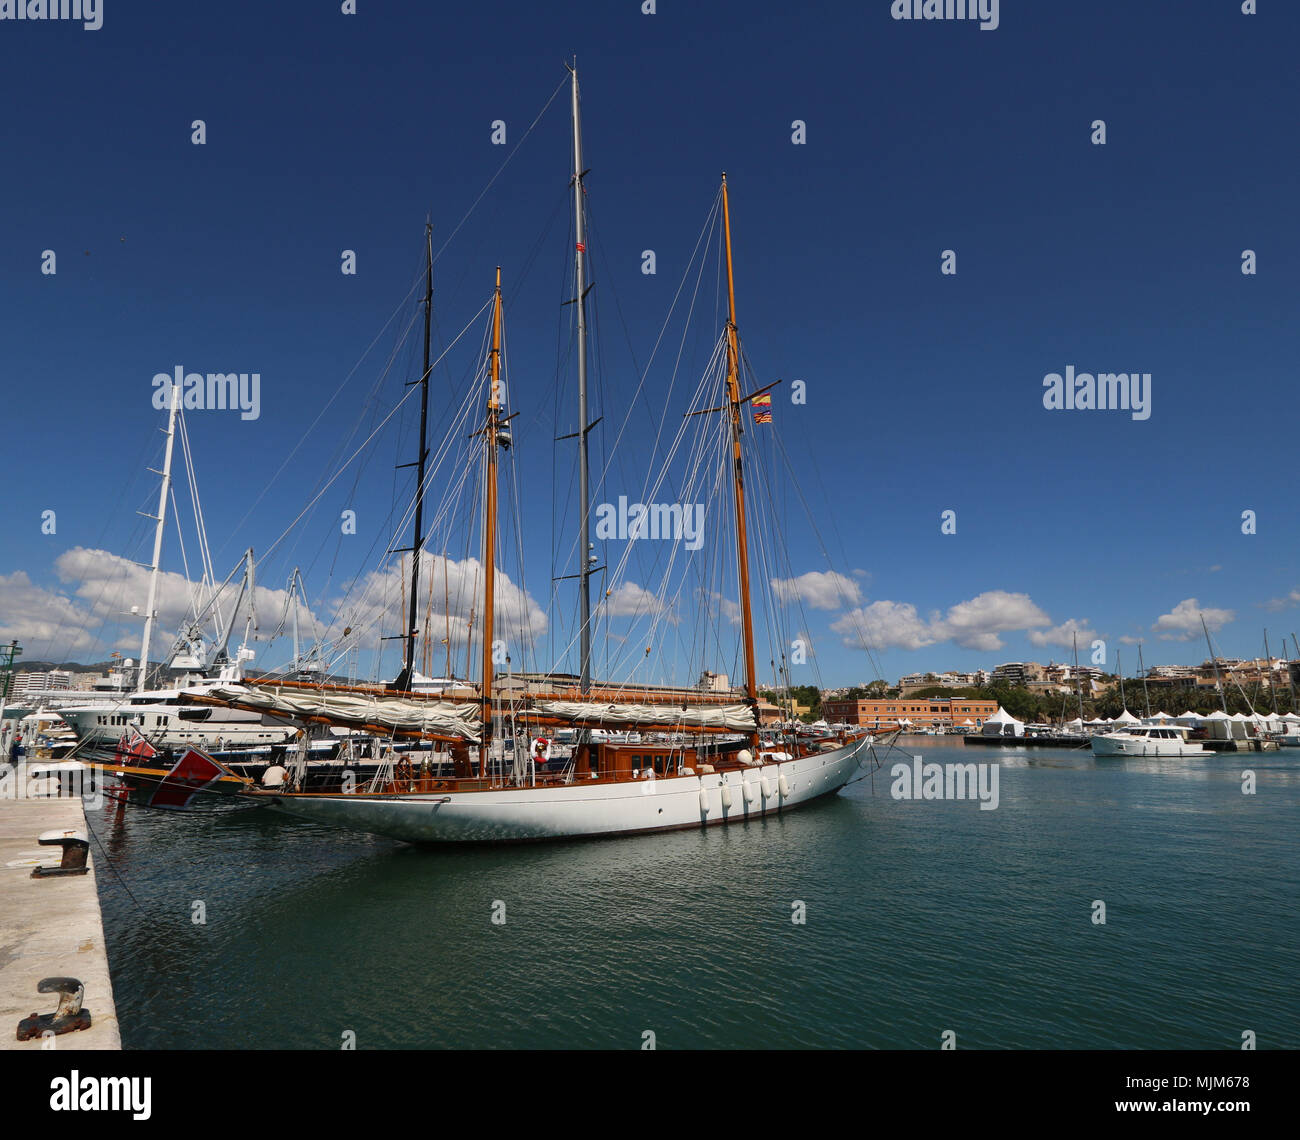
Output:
x=160 y=519
x=580 y=297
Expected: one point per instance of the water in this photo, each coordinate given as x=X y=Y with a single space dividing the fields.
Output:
x=921 y=917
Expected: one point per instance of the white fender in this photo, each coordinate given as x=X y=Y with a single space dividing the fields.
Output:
x=749 y=792
x=783 y=785
x=726 y=796
x=765 y=786
x=704 y=800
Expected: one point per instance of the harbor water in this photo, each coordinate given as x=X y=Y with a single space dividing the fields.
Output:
x=861 y=921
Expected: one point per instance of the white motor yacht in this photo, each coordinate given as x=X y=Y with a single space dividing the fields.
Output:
x=1148 y=740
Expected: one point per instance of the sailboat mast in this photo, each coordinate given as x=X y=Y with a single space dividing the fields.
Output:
x=404 y=681
x=1078 y=680
x=733 y=394
x=1268 y=664
x=580 y=297
x=1119 y=668
x=1218 y=683
x=160 y=520
x=1143 y=670
x=490 y=526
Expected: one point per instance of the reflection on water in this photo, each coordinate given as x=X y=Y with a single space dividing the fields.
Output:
x=921 y=916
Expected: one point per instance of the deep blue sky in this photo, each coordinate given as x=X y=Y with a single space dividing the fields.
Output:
x=329 y=132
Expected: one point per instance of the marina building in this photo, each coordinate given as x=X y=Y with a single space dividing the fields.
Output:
x=927 y=712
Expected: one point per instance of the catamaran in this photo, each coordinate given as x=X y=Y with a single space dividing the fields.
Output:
x=644 y=758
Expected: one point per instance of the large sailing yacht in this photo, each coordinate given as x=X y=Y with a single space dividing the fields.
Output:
x=686 y=758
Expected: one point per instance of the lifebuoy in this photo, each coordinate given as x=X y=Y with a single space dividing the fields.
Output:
x=541 y=750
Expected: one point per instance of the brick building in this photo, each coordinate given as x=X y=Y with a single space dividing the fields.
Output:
x=886 y=712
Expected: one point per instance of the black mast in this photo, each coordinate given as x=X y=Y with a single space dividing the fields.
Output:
x=403 y=681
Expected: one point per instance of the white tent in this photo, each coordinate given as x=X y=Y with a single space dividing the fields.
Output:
x=968 y=723
x=1223 y=727
x=1075 y=725
x=1126 y=717
x=1190 y=718
x=1002 y=723
x=1162 y=716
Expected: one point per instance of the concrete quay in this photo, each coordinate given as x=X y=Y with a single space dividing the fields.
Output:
x=49 y=927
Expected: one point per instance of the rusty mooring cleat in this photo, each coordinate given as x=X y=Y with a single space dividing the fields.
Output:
x=68 y=1018
x=75 y=849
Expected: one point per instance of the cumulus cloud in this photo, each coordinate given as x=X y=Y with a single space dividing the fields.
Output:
x=110 y=586
x=822 y=590
x=1184 y=620
x=729 y=610
x=629 y=599
x=1064 y=634
x=885 y=625
x=976 y=624
x=378 y=601
x=972 y=624
x=36 y=618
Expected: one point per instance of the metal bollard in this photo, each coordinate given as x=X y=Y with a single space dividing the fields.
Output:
x=75 y=849
x=68 y=1018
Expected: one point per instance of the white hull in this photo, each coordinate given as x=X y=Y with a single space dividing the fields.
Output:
x=575 y=810
x=1121 y=746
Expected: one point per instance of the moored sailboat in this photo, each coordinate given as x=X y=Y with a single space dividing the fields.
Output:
x=702 y=759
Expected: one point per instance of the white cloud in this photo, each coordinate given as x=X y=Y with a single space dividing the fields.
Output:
x=1284 y=603
x=822 y=590
x=972 y=624
x=885 y=625
x=1184 y=620
x=379 y=602
x=1064 y=634
x=976 y=624
x=43 y=621
x=729 y=610
x=628 y=599
x=111 y=585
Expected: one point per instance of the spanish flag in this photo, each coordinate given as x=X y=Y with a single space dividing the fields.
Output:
x=762 y=408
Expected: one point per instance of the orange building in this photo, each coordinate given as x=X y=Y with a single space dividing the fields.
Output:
x=886 y=712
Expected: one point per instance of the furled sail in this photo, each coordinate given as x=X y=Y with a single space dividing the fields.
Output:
x=735 y=718
x=397 y=714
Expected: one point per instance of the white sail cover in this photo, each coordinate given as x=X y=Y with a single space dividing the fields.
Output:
x=736 y=718
x=395 y=713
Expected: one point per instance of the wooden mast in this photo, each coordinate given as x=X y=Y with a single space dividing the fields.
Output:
x=490 y=526
x=742 y=543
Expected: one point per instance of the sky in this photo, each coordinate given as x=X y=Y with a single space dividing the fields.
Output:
x=858 y=149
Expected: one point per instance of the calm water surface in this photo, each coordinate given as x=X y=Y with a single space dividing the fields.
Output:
x=921 y=917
